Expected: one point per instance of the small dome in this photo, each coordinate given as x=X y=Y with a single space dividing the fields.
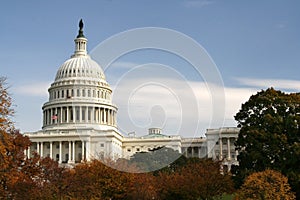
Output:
x=80 y=67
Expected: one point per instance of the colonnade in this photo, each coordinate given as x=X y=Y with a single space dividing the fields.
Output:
x=228 y=148
x=198 y=151
x=79 y=114
x=61 y=151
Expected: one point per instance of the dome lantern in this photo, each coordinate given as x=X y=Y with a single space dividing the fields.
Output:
x=80 y=42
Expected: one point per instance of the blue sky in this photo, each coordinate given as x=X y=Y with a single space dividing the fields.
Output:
x=254 y=44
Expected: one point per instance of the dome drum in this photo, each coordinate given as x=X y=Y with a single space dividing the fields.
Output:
x=79 y=94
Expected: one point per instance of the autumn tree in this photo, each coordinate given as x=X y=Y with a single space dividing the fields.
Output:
x=95 y=180
x=198 y=179
x=12 y=143
x=268 y=184
x=144 y=186
x=269 y=136
x=20 y=177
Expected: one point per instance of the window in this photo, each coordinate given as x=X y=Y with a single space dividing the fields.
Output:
x=78 y=92
x=62 y=94
x=83 y=93
x=101 y=145
x=89 y=114
x=89 y=93
x=137 y=149
x=77 y=114
x=129 y=150
x=57 y=146
x=83 y=114
x=71 y=114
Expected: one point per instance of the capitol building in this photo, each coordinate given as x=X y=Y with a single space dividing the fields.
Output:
x=79 y=121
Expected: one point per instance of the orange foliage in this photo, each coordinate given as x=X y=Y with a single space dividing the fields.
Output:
x=268 y=184
x=196 y=180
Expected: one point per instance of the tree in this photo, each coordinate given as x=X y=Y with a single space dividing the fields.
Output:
x=198 y=179
x=9 y=152
x=269 y=136
x=95 y=180
x=21 y=178
x=143 y=187
x=156 y=159
x=268 y=184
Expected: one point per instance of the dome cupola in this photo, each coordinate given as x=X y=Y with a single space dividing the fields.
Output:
x=79 y=95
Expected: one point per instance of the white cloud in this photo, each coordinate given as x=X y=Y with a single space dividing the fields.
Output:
x=290 y=85
x=32 y=89
x=172 y=105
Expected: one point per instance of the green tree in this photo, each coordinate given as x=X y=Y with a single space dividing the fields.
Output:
x=269 y=184
x=269 y=136
x=157 y=159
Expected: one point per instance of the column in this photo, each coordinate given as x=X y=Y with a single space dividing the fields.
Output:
x=87 y=150
x=29 y=152
x=56 y=120
x=80 y=114
x=97 y=114
x=221 y=148
x=70 y=158
x=60 y=152
x=61 y=114
x=67 y=114
x=104 y=116
x=82 y=150
x=51 y=143
x=228 y=149
x=74 y=114
x=43 y=118
x=73 y=156
x=46 y=117
x=51 y=114
x=86 y=113
x=93 y=115
x=199 y=154
x=45 y=112
x=186 y=151
x=38 y=147
x=236 y=154
x=42 y=150
x=101 y=116
x=109 y=117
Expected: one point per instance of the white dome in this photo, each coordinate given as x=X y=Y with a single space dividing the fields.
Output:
x=80 y=67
